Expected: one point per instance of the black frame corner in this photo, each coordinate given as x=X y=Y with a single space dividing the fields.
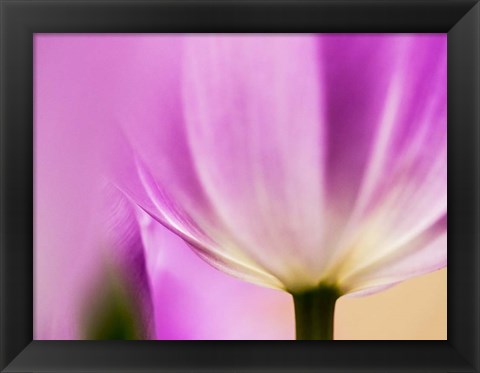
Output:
x=21 y=19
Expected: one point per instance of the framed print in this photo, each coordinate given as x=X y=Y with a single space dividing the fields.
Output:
x=193 y=185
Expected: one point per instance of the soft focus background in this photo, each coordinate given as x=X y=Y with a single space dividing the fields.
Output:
x=96 y=268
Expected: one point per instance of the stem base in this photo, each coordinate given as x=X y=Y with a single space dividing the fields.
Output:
x=314 y=311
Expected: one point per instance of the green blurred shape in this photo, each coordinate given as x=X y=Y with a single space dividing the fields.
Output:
x=114 y=312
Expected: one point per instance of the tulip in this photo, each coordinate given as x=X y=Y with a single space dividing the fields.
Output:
x=311 y=164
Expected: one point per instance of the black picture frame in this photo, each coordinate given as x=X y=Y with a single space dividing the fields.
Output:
x=20 y=19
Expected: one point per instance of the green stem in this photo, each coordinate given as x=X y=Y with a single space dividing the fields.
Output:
x=314 y=311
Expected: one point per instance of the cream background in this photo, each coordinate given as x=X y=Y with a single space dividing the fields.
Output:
x=414 y=309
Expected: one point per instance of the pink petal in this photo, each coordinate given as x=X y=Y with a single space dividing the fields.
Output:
x=424 y=253
x=194 y=301
x=387 y=144
x=253 y=112
x=149 y=158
